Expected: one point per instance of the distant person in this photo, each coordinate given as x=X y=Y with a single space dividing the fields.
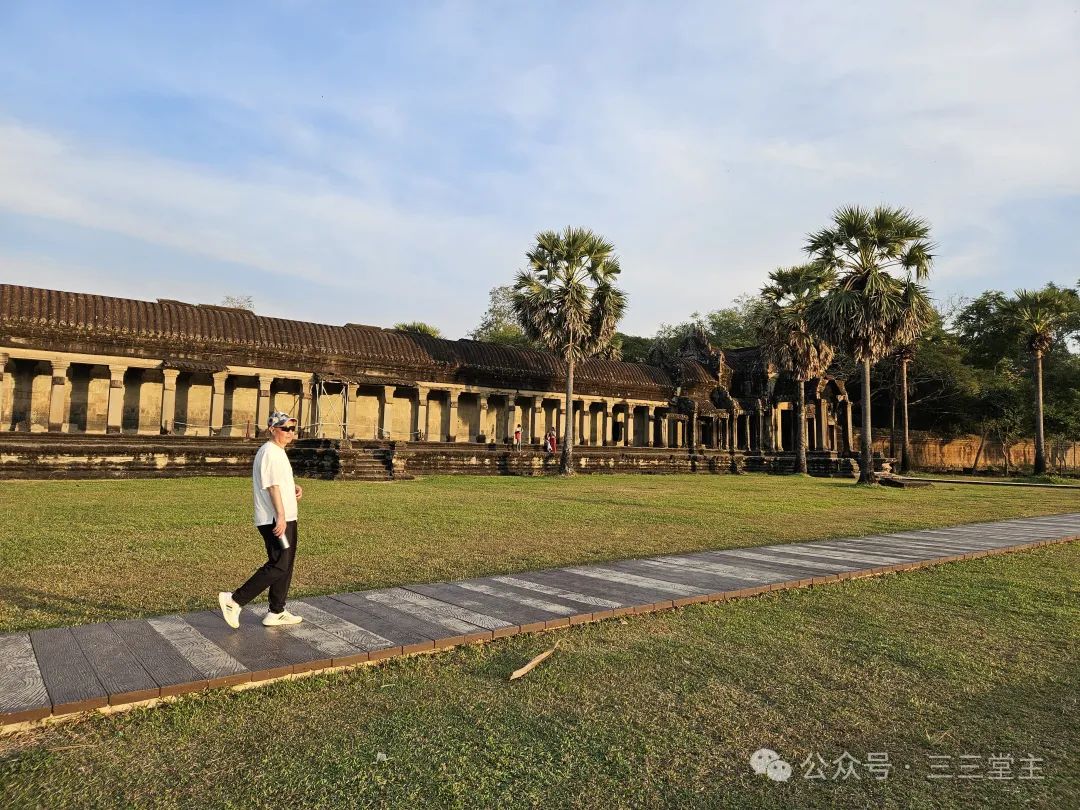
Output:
x=276 y=495
x=517 y=438
x=552 y=442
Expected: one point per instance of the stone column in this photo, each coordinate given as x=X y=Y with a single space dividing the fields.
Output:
x=537 y=404
x=715 y=433
x=628 y=426
x=386 y=422
x=650 y=426
x=115 y=419
x=560 y=422
x=168 y=399
x=57 y=394
x=422 y=426
x=823 y=424
x=847 y=426
x=4 y=421
x=693 y=438
x=482 y=409
x=262 y=409
x=733 y=431
x=664 y=427
x=217 y=402
x=304 y=418
x=453 y=427
x=511 y=416
x=762 y=444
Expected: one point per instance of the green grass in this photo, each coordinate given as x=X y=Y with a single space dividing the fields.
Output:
x=658 y=711
x=75 y=552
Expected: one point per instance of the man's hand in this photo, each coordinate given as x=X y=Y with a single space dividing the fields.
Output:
x=299 y=492
x=279 y=527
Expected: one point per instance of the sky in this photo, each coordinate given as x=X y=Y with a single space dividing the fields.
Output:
x=348 y=162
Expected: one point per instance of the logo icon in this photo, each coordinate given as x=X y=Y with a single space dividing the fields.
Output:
x=768 y=762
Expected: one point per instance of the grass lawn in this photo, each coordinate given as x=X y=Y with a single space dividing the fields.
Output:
x=74 y=552
x=974 y=658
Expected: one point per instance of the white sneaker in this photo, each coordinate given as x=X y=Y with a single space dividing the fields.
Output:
x=230 y=611
x=279 y=619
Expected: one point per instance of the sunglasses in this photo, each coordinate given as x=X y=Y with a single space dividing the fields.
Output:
x=288 y=429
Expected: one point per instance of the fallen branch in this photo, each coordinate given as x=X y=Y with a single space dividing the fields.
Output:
x=529 y=667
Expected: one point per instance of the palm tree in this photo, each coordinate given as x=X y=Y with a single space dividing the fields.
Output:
x=566 y=301
x=904 y=355
x=1036 y=316
x=870 y=311
x=788 y=340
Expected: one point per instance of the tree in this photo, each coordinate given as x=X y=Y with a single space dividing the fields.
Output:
x=420 y=328
x=239 y=302
x=500 y=324
x=566 y=301
x=1036 y=317
x=869 y=311
x=788 y=340
x=728 y=328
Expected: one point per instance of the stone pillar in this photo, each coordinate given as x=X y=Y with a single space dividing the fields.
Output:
x=823 y=424
x=650 y=426
x=217 y=402
x=453 y=428
x=693 y=438
x=530 y=428
x=4 y=421
x=746 y=434
x=168 y=399
x=262 y=409
x=733 y=428
x=762 y=444
x=664 y=427
x=847 y=426
x=57 y=395
x=628 y=426
x=482 y=403
x=715 y=433
x=115 y=419
x=422 y=426
x=386 y=422
x=305 y=417
x=511 y=416
x=560 y=422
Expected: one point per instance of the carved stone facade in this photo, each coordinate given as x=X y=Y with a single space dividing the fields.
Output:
x=86 y=364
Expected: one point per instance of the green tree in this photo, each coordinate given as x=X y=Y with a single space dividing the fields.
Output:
x=567 y=301
x=420 y=328
x=499 y=324
x=869 y=311
x=1037 y=317
x=788 y=340
x=727 y=328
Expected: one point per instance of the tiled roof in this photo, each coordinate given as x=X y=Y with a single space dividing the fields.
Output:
x=207 y=331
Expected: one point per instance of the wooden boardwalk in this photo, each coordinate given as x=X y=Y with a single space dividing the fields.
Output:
x=71 y=669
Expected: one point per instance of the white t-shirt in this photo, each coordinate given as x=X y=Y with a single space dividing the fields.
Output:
x=272 y=467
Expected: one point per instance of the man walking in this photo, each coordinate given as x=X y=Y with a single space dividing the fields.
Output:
x=276 y=495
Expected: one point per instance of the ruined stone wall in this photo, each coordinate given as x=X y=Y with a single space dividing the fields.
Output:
x=934 y=454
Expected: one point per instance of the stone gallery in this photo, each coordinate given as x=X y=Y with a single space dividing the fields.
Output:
x=78 y=365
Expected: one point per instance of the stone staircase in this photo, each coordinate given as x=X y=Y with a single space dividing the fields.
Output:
x=334 y=459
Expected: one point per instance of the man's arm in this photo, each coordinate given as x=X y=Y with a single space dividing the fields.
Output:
x=279 y=509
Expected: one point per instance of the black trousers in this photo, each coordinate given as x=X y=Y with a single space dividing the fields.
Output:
x=276 y=572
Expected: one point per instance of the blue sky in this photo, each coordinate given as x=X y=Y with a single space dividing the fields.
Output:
x=379 y=162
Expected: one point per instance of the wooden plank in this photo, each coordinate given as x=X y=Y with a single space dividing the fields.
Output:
x=217 y=666
x=785 y=571
x=69 y=678
x=611 y=574
x=473 y=626
x=682 y=574
x=803 y=567
x=354 y=635
x=408 y=632
x=631 y=596
x=333 y=647
x=567 y=596
x=265 y=651
x=514 y=614
x=814 y=567
x=23 y=696
x=115 y=665
x=740 y=575
x=173 y=674
x=522 y=597
x=851 y=561
x=869 y=547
